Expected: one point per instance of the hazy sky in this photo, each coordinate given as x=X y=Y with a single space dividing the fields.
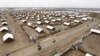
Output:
x=50 y=3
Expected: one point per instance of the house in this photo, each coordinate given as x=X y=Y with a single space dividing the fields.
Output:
x=39 y=30
x=50 y=27
x=39 y=22
x=38 y=19
x=95 y=31
x=63 y=16
x=4 y=23
x=53 y=20
x=19 y=18
x=8 y=37
x=27 y=18
x=29 y=24
x=76 y=21
x=46 y=22
x=66 y=23
x=4 y=28
x=32 y=17
x=84 y=19
x=99 y=25
x=23 y=21
x=87 y=54
x=58 y=19
x=45 y=18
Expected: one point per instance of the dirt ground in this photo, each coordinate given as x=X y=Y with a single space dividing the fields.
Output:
x=74 y=53
x=90 y=44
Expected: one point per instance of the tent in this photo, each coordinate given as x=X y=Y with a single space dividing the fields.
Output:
x=53 y=20
x=87 y=54
x=39 y=30
x=58 y=19
x=84 y=19
x=50 y=27
x=4 y=23
x=8 y=37
x=4 y=28
x=66 y=23
x=99 y=25
x=95 y=31
x=46 y=21
x=23 y=21
x=38 y=19
x=29 y=24
x=77 y=21
x=39 y=22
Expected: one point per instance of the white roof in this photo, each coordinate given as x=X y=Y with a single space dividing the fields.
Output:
x=87 y=54
x=18 y=18
x=29 y=24
x=99 y=25
x=58 y=19
x=38 y=29
x=66 y=23
x=46 y=21
x=32 y=17
x=50 y=27
x=27 y=18
x=63 y=16
x=38 y=22
x=84 y=19
x=4 y=23
x=3 y=28
x=77 y=21
x=95 y=31
x=38 y=19
x=45 y=18
x=7 y=35
x=23 y=21
x=53 y=20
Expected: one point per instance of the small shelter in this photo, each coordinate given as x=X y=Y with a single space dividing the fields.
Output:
x=39 y=22
x=39 y=30
x=29 y=24
x=8 y=37
x=58 y=19
x=50 y=27
x=23 y=21
x=66 y=23
x=46 y=22
x=87 y=54
x=95 y=31
x=4 y=23
x=3 y=29
x=53 y=20
x=76 y=21
x=84 y=19
x=99 y=25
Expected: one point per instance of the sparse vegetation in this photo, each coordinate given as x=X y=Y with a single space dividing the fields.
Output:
x=95 y=15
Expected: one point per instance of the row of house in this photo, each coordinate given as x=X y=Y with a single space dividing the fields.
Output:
x=7 y=36
x=95 y=30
